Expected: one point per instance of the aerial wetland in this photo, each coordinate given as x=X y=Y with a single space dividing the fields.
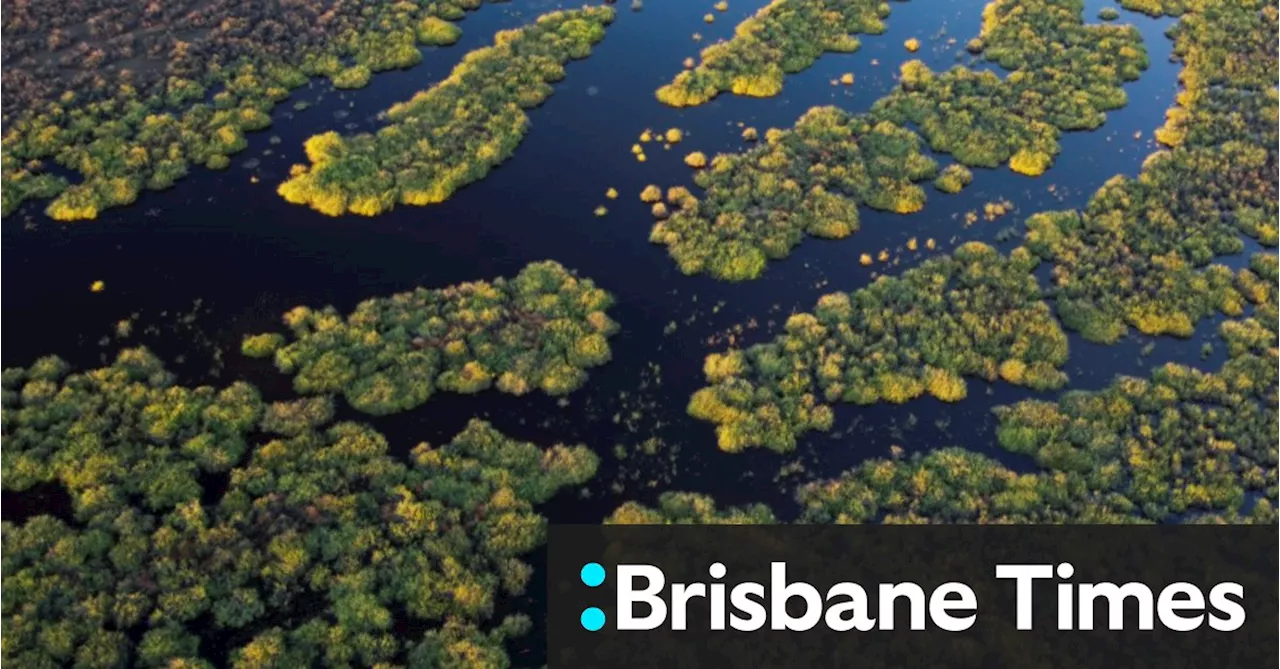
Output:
x=321 y=311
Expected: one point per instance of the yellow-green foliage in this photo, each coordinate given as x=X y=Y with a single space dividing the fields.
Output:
x=542 y=329
x=784 y=37
x=437 y=32
x=951 y=485
x=261 y=345
x=453 y=133
x=1064 y=75
x=1140 y=254
x=125 y=133
x=1137 y=452
x=1158 y=7
x=953 y=179
x=1183 y=441
x=967 y=314
x=808 y=180
x=1183 y=446
x=298 y=556
x=687 y=508
x=356 y=76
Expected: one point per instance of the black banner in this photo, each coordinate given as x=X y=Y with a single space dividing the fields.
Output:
x=1052 y=597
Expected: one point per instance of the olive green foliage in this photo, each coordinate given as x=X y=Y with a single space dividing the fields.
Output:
x=542 y=329
x=297 y=416
x=784 y=37
x=949 y=485
x=974 y=313
x=1064 y=76
x=952 y=485
x=686 y=508
x=760 y=202
x=953 y=179
x=437 y=32
x=451 y=134
x=262 y=345
x=121 y=435
x=1158 y=7
x=313 y=553
x=808 y=180
x=1181 y=444
x=1140 y=254
x=182 y=95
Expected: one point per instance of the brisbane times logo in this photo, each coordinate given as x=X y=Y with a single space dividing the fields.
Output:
x=645 y=601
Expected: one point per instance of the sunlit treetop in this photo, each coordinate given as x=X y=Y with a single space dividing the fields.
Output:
x=784 y=37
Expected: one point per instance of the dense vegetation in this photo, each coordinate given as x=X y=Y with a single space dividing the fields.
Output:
x=131 y=94
x=451 y=134
x=1182 y=446
x=953 y=179
x=759 y=203
x=684 y=508
x=784 y=37
x=1140 y=253
x=314 y=549
x=808 y=180
x=1182 y=441
x=952 y=485
x=542 y=329
x=974 y=313
x=1064 y=75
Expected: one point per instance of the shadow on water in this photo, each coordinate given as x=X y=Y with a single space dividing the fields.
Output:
x=241 y=256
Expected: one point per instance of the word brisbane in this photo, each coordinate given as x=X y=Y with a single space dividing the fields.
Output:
x=645 y=602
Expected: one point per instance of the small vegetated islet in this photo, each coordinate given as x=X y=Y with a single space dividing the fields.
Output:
x=451 y=134
x=784 y=37
x=541 y=329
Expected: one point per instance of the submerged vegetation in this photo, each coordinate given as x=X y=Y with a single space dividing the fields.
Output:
x=319 y=549
x=451 y=134
x=784 y=37
x=130 y=95
x=808 y=180
x=540 y=330
x=974 y=313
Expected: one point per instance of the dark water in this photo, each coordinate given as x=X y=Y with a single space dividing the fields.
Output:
x=217 y=257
